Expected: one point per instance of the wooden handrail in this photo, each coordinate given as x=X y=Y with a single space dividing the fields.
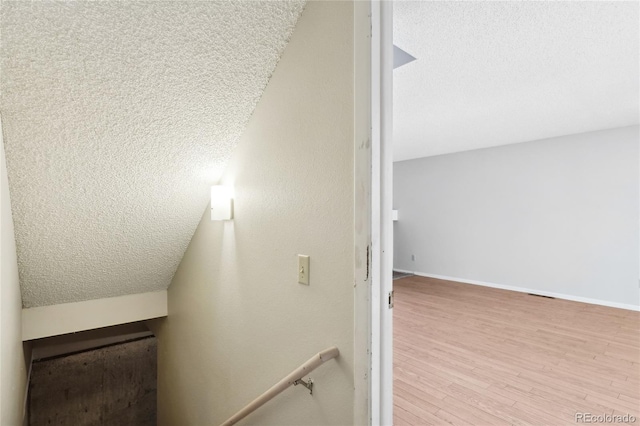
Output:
x=296 y=375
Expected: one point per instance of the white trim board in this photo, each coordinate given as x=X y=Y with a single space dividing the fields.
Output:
x=25 y=405
x=363 y=382
x=53 y=320
x=528 y=291
x=381 y=260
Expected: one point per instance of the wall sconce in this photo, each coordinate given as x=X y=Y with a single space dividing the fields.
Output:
x=221 y=203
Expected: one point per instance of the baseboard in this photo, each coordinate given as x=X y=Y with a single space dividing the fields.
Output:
x=532 y=291
x=403 y=271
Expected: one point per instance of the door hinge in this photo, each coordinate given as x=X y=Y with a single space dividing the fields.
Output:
x=391 y=299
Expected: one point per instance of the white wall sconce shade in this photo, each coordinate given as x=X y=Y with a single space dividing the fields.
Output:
x=221 y=203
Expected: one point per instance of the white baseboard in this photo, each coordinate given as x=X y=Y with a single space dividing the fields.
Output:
x=403 y=271
x=530 y=291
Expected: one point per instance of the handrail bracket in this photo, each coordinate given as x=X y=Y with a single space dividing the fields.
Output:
x=293 y=378
x=308 y=384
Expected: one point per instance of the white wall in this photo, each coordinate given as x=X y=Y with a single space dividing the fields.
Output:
x=13 y=373
x=73 y=317
x=238 y=320
x=555 y=216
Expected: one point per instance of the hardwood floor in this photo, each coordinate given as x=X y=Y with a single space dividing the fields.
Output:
x=471 y=355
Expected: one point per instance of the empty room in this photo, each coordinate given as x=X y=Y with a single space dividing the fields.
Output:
x=516 y=190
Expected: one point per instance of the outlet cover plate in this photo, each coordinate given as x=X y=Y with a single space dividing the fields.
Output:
x=303 y=269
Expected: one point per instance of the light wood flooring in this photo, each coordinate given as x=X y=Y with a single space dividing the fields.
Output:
x=471 y=355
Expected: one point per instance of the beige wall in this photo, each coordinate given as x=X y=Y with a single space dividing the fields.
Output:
x=13 y=373
x=238 y=321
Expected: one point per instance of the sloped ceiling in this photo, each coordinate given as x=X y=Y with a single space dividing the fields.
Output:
x=493 y=73
x=118 y=116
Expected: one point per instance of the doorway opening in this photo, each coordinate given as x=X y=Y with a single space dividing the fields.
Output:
x=502 y=144
x=102 y=376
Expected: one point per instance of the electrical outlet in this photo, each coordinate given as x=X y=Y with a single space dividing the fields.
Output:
x=413 y=257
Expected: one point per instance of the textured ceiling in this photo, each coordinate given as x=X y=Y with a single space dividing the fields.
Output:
x=494 y=73
x=117 y=118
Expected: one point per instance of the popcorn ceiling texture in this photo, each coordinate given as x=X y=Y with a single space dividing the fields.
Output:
x=118 y=116
x=495 y=73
